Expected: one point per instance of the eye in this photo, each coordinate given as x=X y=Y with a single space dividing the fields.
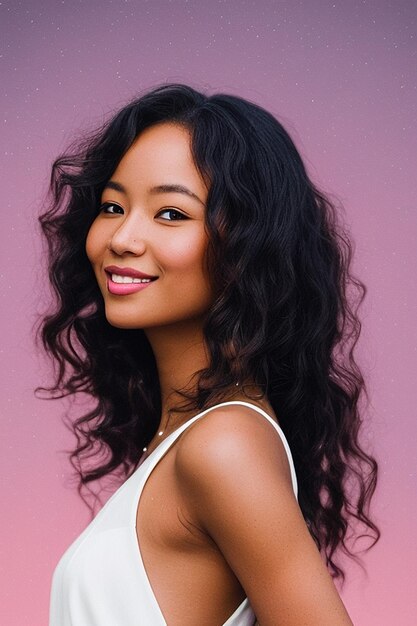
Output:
x=171 y=215
x=104 y=208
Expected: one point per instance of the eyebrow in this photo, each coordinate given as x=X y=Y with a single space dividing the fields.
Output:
x=172 y=188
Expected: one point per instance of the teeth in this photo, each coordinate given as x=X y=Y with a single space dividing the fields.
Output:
x=128 y=279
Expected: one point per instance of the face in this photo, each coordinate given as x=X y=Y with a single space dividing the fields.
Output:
x=151 y=225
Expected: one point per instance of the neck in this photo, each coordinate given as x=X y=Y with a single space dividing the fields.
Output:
x=179 y=353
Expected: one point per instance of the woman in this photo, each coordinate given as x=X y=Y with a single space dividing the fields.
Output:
x=201 y=299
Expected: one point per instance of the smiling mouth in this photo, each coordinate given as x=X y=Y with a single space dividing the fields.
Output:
x=125 y=285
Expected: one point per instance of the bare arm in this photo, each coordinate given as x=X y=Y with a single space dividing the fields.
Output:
x=235 y=472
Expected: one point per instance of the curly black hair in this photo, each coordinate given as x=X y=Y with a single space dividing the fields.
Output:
x=284 y=315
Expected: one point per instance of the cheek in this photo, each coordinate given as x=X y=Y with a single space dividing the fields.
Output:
x=188 y=272
x=186 y=258
x=92 y=244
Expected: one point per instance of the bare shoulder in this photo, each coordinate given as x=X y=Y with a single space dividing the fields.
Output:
x=228 y=440
x=232 y=468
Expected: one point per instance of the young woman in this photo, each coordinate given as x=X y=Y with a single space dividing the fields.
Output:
x=201 y=284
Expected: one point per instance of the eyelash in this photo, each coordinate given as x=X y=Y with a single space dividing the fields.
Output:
x=180 y=216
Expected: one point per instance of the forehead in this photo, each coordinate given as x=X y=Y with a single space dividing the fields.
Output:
x=159 y=160
x=160 y=153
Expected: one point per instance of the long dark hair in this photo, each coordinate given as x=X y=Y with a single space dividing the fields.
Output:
x=281 y=317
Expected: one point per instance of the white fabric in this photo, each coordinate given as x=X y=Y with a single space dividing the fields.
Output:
x=101 y=580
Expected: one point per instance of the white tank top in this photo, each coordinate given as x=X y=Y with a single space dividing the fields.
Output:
x=101 y=580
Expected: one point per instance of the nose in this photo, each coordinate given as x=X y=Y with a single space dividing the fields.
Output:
x=129 y=237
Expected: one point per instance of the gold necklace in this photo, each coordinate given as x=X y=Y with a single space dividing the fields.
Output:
x=161 y=432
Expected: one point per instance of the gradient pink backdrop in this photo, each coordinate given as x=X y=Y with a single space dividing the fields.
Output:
x=342 y=78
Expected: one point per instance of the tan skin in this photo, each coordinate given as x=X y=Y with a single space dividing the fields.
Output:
x=218 y=517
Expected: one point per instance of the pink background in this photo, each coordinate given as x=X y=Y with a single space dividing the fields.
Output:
x=341 y=76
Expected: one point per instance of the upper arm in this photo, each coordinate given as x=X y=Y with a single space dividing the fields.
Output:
x=234 y=470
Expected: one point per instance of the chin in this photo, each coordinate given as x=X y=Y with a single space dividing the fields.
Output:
x=119 y=321
x=122 y=325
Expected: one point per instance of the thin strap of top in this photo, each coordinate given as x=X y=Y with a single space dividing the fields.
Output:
x=160 y=450
x=142 y=473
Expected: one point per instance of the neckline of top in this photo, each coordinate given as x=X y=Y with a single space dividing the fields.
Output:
x=153 y=461
x=163 y=446
x=215 y=406
x=166 y=443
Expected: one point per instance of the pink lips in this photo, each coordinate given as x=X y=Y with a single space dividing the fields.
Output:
x=124 y=289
